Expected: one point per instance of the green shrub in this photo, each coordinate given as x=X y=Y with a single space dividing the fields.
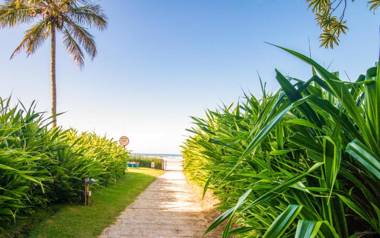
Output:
x=146 y=162
x=303 y=162
x=40 y=166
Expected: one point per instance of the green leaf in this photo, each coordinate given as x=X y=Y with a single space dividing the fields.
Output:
x=294 y=95
x=364 y=157
x=229 y=214
x=354 y=207
x=307 y=228
x=283 y=186
x=332 y=162
x=283 y=221
x=302 y=122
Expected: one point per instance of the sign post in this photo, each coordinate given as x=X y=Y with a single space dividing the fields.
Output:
x=124 y=141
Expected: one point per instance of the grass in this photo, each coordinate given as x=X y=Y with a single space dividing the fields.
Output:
x=84 y=222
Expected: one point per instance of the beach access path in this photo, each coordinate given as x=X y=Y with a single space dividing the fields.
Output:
x=170 y=207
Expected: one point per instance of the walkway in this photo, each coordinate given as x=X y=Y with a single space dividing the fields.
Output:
x=168 y=208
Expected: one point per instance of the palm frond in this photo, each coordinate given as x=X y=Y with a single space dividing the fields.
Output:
x=73 y=48
x=11 y=15
x=90 y=14
x=70 y=17
x=374 y=4
x=33 y=38
x=82 y=36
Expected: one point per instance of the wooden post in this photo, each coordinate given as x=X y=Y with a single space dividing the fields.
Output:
x=86 y=190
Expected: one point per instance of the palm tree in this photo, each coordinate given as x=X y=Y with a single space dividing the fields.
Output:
x=48 y=17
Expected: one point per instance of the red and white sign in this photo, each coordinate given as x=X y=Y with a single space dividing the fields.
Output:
x=124 y=141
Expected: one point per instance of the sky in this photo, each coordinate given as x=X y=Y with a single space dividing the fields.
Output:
x=162 y=61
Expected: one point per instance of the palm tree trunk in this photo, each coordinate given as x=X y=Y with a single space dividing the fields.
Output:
x=52 y=78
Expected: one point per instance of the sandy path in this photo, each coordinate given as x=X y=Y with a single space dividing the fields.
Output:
x=168 y=208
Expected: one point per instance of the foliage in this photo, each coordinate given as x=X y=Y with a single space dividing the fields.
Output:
x=303 y=162
x=330 y=16
x=145 y=161
x=66 y=16
x=40 y=166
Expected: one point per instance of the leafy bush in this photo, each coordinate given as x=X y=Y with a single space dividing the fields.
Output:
x=303 y=162
x=146 y=161
x=40 y=166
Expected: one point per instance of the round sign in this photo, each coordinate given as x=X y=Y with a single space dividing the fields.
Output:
x=124 y=141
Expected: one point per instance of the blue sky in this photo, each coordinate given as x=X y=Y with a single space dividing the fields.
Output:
x=161 y=61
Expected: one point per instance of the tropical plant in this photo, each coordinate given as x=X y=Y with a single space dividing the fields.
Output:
x=146 y=161
x=331 y=17
x=303 y=162
x=50 y=17
x=40 y=166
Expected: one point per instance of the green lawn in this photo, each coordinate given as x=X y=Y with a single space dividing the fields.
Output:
x=84 y=222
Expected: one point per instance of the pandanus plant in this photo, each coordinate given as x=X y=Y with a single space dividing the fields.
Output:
x=68 y=17
x=40 y=165
x=304 y=162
